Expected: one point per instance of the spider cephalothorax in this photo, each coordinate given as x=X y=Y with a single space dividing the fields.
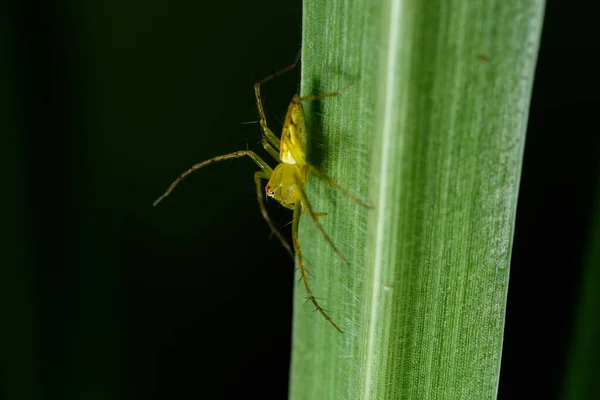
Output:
x=283 y=185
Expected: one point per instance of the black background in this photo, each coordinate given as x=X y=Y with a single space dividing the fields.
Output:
x=106 y=102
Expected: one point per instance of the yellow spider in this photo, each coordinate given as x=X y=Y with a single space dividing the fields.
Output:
x=286 y=182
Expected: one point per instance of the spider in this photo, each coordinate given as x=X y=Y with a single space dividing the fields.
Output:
x=287 y=181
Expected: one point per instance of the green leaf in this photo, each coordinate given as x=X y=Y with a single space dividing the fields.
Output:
x=432 y=132
x=583 y=363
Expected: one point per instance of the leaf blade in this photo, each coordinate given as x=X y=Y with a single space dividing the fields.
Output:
x=444 y=89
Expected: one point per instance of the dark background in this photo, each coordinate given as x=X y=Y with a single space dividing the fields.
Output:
x=105 y=102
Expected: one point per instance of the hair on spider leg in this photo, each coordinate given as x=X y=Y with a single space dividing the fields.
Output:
x=325 y=310
x=311 y=298
x=308 y=272
x=322 y=309
x=299 y=280
x=298 y=269
x=306 y=261
x=307 y=299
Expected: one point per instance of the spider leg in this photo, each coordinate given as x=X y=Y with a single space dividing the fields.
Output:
x=263 y=210
x=271 y=150
x=336 y=185
x=298 y=99
x=269 y=136
x=309 y=211
x=303 y=274
x=236 y=154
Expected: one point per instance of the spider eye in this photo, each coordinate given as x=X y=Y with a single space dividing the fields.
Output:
x=269 y=191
